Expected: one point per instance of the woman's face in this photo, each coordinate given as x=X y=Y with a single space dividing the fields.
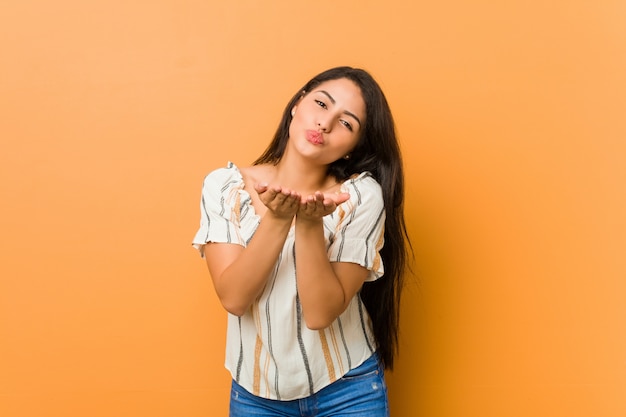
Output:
x=328 y=121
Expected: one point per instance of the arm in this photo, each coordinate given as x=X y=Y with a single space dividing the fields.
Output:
x=239 y=274
x=325 y=288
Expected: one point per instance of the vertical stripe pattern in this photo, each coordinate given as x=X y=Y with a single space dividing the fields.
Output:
x=269 y=350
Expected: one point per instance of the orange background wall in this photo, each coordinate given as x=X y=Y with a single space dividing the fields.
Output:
x=512 y=121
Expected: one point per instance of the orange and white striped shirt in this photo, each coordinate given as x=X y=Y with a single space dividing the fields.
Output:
x=269 y=350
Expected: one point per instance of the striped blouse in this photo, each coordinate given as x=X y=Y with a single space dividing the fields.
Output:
x=269 y=350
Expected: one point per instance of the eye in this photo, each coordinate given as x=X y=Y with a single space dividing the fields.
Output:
x=346 y=124
x=321 y=104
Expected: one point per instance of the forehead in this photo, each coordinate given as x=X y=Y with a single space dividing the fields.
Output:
x=345 y=93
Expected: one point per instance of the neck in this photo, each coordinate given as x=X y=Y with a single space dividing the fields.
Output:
x=301 y=177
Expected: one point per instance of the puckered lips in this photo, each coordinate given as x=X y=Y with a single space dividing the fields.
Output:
x=314 y=137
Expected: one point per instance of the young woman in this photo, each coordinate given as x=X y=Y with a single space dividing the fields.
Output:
x=306 y=249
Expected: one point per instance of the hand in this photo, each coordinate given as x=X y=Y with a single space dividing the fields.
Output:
x=281 y=202
x=318 y=205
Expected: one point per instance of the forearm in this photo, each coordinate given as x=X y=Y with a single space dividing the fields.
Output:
x=321 y=292
x=244 y=279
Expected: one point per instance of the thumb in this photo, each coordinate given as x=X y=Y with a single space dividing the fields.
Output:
x=261 y=187
x=339 y=198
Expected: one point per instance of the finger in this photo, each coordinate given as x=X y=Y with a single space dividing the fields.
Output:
x=328 y=203
x=270 y=195
x=338 y=198
x=316 y=196
x=281 y=196
x=312 y=201
x=317 y=206
x=288 y=198
x=261 y=187
x=272 y=190
x=292 y=199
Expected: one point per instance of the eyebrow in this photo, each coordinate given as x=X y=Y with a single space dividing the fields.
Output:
x=349 y=113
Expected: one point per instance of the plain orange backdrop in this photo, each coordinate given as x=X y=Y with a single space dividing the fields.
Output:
x=511 y=116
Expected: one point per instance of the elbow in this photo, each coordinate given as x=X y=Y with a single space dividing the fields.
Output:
x=317 y=325
x=321 y=317
x=232 y=301
x=233 y=307
x=318 y=322
x=235 y=312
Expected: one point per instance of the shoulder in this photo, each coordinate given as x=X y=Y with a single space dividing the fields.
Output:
x=363 y=185
x=223 y=177
x=256 y=173
x=364 y=190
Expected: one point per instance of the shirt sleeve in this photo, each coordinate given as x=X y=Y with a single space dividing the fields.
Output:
x=219 y=210
x=359 y=234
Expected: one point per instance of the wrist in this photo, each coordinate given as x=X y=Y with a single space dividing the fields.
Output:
x=304 y=222
x=276 y=219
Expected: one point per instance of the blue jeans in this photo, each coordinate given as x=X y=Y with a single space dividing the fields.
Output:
x=362 y=392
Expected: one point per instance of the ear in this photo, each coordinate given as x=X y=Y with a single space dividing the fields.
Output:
x=293 y=110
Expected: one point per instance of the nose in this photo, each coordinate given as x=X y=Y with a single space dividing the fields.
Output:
x=323 y=124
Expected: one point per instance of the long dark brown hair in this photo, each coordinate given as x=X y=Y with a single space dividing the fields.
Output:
x=378 y=152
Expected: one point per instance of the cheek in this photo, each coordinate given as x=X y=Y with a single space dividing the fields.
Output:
x=292 y=125
x=352 y=141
